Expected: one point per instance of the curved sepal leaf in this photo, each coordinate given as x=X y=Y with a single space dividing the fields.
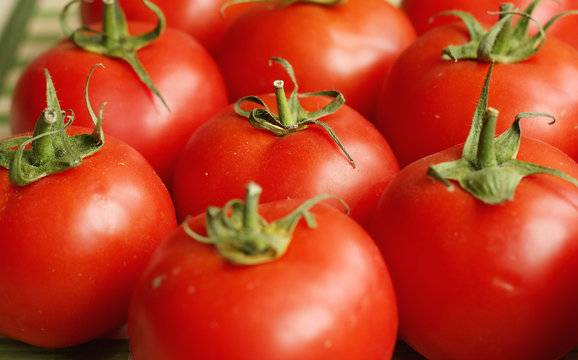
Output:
x=292 y=117
x=50 y=149
x=488 y=168
x=243 y=237
x=115 y=41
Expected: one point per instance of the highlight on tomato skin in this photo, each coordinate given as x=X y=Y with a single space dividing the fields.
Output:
x=328 y=296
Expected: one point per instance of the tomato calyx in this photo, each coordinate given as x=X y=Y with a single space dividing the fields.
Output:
x=488 y=168
x=50 y=149
x=243 y=237
x=503 y=42
x=292 y=117
x=283 y=3
x=115 y=41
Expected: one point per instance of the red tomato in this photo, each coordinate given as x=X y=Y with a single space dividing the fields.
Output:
x=227 y=152
x=199 y=18
x=72 y=245
x=328 y=297
x=477 y=281
x=420 y=12
x=348 y=47
x=426 y=103
x=182 y=70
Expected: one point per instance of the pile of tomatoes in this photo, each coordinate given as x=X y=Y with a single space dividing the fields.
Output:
x=310 y=179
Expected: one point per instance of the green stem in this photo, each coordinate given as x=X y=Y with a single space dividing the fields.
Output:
x=292 y=117
x=42 y=149
x=115 y=41
x=286 y=116
x=488 y=168
x=243 y=237
x=486 y=156
x=109 y=23
x=505 y=41
x=251 y=219
x=504 y=37
x=50 y=149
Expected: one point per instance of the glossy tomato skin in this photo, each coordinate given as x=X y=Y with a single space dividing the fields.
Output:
x=420 y=12
x=476 y=281
x=427 y=103
x=328 y=297
x=348 y=47
x=181 y=69
x=73 y=244
x=228 y=152
x=200 y=19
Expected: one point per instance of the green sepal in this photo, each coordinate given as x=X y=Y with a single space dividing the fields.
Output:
x=243 y=237
x=115 y=41
x=50 y=149
x=488 y=168
x=292 y=117
x=504 y=42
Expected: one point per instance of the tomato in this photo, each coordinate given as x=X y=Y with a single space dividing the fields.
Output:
x=348 y=47
x=485 y=265
x=200 y=19
x=421 y=11
x=328 y=297
x=183 y=71
x=476 y=281
x=418 y=110
x=228 y=151
x=72 y=245
x=80 y=215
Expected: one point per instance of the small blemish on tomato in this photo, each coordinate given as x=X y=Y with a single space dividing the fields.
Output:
x=157 y=281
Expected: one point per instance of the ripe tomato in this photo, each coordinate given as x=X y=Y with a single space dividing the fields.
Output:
x=198 y=18
x=476 y=281
x=485 y=269
x=348 y=47
x=328 y=297
x=418 y=110
x=420 y=12
x=228 y=151
x=72 y=245
x=182 y=70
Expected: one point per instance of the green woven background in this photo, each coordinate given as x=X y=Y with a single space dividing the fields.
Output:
x=31 y=27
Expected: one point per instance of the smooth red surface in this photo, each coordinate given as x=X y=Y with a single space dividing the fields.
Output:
x=181 y=69
x=227 y=152
x=476 y=281
x=348 y=47
x=73 y=244
x=328 y=297
x=427 y=103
